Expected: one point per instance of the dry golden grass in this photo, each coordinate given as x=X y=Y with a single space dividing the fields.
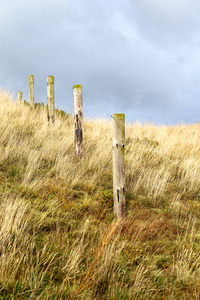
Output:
x=58 y=236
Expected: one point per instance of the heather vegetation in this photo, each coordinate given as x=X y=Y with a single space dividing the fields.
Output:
x=58 y=236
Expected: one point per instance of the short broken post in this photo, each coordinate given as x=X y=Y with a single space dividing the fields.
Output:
x=119 y=164
x=50 y=99
x=78 y=118
x=20 y=97
x=31 y=90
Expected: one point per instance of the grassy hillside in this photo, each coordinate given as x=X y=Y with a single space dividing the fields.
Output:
x=58 y=236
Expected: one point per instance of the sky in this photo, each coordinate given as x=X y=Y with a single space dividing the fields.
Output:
x=137 y=57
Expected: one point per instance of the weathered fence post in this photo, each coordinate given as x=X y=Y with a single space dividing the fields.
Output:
x=20 y=97
x=50 y=99
x=119 y=164
x=78 y=118
x=31 y=90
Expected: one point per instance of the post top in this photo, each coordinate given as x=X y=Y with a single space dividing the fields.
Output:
x=77 y=86
x=119 y=116
x=31 y=78
x=50 y=79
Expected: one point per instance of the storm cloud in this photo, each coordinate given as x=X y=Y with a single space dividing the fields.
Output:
x=137 y=57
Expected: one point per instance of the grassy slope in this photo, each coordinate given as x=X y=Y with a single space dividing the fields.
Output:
x=58 y=237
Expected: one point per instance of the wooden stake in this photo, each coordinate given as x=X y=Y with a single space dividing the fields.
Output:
x=31 y=90
x=118 y=164
x=50 y=99
x=78 y=118
x=20 y=97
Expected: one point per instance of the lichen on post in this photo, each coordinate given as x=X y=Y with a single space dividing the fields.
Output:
x=31 y=90
x=119 y=164
x=50 y=99
x=78 y=119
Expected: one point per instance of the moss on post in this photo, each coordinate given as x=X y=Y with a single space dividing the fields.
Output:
x=77 y=86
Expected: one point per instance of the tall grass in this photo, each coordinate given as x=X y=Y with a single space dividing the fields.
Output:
x=58 y=236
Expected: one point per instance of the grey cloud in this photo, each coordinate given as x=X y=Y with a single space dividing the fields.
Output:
x=130 y=56
x=167 y=22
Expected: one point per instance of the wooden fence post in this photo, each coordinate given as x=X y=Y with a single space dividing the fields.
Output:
x=50 y=99
x=78 y=118
x=119 y=164
x=20 y=97
x=31 y=90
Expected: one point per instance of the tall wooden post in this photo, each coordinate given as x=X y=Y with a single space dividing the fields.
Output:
x=119 y=164
x=20 y=97
x=78 y=118
x=50 y=99
x=31 y=90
